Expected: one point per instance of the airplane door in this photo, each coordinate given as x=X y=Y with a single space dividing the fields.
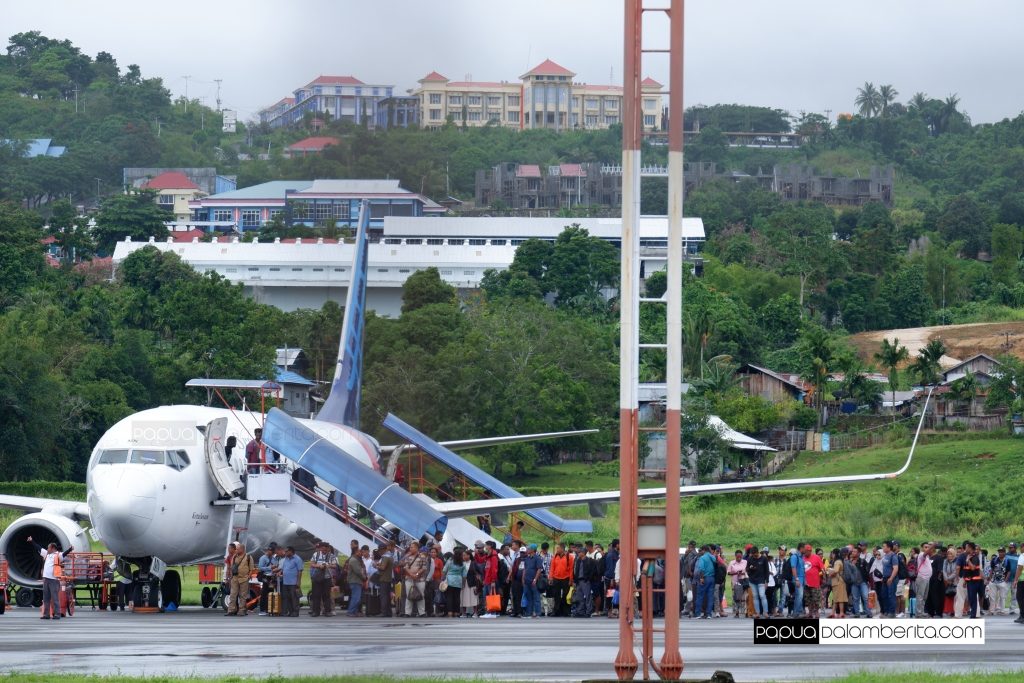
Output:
x=227 y=480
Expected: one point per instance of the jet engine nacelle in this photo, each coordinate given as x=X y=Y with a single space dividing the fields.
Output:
x=24 y=564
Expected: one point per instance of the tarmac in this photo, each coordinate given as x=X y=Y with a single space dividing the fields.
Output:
x=198 y=643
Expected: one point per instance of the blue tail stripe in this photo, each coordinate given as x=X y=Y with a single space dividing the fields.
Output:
x=342 y=406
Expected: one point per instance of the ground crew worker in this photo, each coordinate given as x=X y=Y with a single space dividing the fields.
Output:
x=51 y=581
x=240 y=566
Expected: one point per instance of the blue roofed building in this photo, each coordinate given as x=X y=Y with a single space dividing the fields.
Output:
x=296 y=399
x=313 y=203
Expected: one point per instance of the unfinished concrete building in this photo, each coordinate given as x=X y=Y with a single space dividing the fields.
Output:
x=531 y=186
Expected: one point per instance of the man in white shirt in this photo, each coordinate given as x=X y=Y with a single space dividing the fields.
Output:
x=51 y=583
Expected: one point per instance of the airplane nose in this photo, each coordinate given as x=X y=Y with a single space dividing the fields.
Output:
x=125 y=500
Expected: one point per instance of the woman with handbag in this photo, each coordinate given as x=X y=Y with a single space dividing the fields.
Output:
x=469 y=595
x=454 y=572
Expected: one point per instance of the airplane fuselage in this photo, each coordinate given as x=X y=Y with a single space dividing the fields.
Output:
x=151 y=492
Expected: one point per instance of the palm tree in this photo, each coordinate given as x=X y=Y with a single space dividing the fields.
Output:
x=917 y=102
x=886 y=96
x=698 y=326
x=817 y=356
x=868 y=100
x=964 y=389
x=718 y=377
x=891 y=355
x=857 y=386
x=926 y=365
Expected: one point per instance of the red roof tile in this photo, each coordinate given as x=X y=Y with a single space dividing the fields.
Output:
x=527 y=171
x=548 y=68
x=650 y=82
x=571 y=171
x=187 y=235
x=171 y=180
x=432 y=76
x=314 y=144
x=336 y=80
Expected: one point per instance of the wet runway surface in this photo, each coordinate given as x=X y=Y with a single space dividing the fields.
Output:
x=197 y=642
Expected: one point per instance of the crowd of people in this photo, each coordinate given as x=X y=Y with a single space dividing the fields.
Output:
x=933 y=580
x=581 y=580
x=420 y=580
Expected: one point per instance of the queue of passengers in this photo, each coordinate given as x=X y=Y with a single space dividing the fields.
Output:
x=933 y=580
x=420 y=580
x=581 y=580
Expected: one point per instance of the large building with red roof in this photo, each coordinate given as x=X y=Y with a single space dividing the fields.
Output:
x=547 y=96
x=174 y=190
x=328 y=98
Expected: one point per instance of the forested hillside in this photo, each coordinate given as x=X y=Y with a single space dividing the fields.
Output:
x=783 y=282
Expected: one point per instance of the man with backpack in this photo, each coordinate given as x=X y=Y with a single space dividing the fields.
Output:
x=796 y=563
x=855 y=585
x=997 y=585
x=686 y=564
x=704 y=580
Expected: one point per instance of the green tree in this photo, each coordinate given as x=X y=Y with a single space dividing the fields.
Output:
x=926 y=365
x=817 y=358
x=886 y=96
x=964 y=389
x=134 y=214
x=1007 y=247
x=868 y=100
x=890 y=355
x=580 y=266
x=21 y=253
x=963 y=220
x=799 y=241
x=426 y=287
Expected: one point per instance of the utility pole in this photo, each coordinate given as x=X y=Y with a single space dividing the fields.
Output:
x=158 y=126
x=217 y=81
x=186 y=92
x=97 y=192
x=202 y=113
x=76 y=98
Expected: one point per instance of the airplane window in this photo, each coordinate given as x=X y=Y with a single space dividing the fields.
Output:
x=142 y=457
x=113 y=457
x=177 y=460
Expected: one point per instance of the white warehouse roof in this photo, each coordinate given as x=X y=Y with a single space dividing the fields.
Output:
x=651 y=227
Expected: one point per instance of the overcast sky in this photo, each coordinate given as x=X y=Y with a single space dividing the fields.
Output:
x=801 y=55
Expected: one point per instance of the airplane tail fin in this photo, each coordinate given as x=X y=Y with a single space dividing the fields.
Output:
x=342 y=405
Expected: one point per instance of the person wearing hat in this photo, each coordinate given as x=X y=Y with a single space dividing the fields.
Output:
x=1013 y=561
x=265 y=570
x=686 y=564
x=996 y=582
x=561 y=574
x=532 y=568
x=320 y=575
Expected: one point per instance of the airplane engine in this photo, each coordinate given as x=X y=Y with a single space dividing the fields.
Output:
x=24 y=565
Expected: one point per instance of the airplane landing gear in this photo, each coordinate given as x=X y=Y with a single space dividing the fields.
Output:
x=170 y=588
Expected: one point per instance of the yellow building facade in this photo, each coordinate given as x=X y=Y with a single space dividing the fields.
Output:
x=547 y=96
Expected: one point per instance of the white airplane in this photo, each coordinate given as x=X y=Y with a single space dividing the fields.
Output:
x=157 y=480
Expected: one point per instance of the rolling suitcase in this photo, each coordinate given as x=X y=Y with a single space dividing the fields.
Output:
x=274 y=603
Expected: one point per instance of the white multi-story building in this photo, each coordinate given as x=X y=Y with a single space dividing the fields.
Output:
x=294 y=274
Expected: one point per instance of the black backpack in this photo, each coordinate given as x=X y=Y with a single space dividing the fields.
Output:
x=850 y=573
x=719 y=572
x=901 y=570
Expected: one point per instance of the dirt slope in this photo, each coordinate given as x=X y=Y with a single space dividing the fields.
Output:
x=962 y=341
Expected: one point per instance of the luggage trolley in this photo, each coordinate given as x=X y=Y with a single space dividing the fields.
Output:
x=89 y=573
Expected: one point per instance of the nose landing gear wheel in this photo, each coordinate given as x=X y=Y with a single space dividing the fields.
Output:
x=206 y=598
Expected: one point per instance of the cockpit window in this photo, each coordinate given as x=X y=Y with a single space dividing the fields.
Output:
x=113 y=457
x=177 y=460
x=146 y=457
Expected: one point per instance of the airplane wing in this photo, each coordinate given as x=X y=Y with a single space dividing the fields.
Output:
x=67 y=508
x=464 y=444
x=501 y=505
